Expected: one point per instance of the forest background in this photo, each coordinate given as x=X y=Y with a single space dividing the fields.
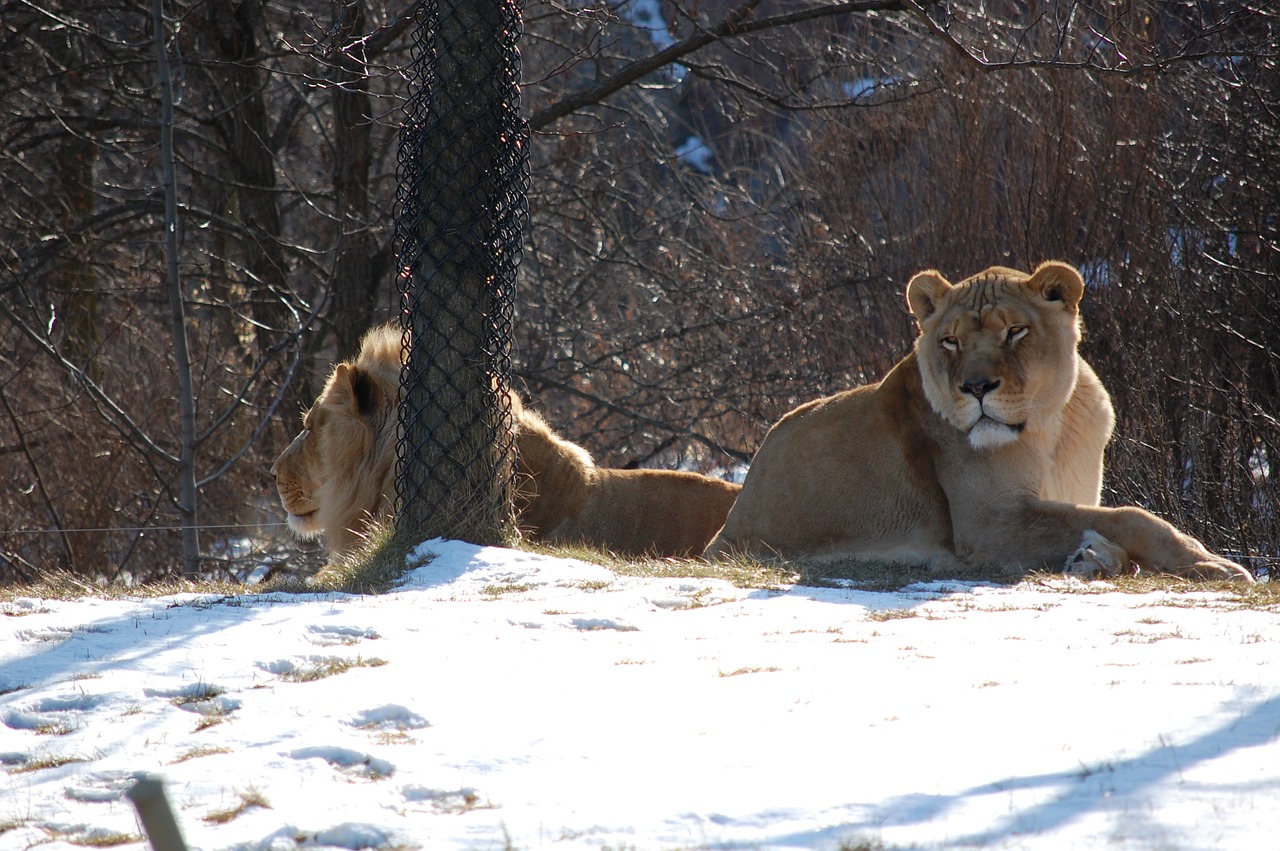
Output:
x=727 y=199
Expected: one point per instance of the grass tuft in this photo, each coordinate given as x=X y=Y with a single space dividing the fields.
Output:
x=40 y=763
x=378 y=564
x=882 y=615
x=92 y=838
x=373 y=568
x=740 y=671
x=332 y=666
x=201 y=692
x=210 y=719
x=862 y=845
x=741 y=573
x=196 y=753
x=499 y=589
x=249 y=799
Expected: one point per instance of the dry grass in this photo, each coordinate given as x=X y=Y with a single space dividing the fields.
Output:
x=742 y=573
x=332 y=666
x=198 y=694
x=247 y=799
x=61 y=585
x=882 y=615
x=196 y=753
x=92 y=838
x=500 y=589
x=370 y=569
x=1182 y=592
x=377 y=566
x=749 y=670
x=210 y=719
x=43 y=761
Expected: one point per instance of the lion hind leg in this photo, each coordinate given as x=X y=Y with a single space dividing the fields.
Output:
x=1096 y=557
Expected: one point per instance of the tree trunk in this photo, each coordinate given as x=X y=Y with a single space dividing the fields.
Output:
x=239 y=82
x=358 y=267
x=182 y=357
x=461 y=161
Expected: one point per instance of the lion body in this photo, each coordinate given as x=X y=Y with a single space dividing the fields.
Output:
x=983 y=446
x=563 y=497
x=337 y=477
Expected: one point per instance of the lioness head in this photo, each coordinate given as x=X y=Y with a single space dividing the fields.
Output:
x=997 y=351
x=338 y=473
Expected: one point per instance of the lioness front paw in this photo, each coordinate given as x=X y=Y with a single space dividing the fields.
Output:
x=1096 y=558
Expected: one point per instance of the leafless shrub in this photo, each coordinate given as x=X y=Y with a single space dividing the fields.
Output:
x=671 y=305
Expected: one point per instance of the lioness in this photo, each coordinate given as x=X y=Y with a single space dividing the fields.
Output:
x=982 y=446
x=337 y=477
x=563 y=497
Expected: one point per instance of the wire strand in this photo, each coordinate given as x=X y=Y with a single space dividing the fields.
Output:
x=139 y=529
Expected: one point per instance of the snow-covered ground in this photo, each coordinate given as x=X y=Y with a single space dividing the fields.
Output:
x=501 y=699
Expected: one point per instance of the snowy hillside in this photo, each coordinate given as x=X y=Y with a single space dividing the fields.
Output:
x=502 y=699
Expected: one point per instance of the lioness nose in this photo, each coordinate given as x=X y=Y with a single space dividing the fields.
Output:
x=979 y=387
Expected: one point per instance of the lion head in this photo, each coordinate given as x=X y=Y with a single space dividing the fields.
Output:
x=338 y=474
x=997 y=352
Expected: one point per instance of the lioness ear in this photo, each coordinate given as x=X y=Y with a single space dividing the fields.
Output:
x=924 y=292
x=1058 y=282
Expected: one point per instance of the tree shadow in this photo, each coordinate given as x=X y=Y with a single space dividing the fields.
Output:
x=1110 y=786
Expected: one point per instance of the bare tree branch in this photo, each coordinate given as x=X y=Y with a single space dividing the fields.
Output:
x=115 y=414
x=737 y=23
x=599 y=402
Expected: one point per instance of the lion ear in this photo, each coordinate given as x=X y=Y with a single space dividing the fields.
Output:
x=352 y=390
x=924 y=291
x=367 y=392
x=1057 y=281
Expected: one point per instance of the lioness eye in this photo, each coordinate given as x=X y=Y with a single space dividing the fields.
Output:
x=1016 y=333
x=951 y=344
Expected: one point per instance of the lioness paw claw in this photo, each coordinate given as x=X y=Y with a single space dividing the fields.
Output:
x=1096 y=558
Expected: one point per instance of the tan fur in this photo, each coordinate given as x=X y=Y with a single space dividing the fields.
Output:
x=918 y=468
x=338 y=474
x=563 y=497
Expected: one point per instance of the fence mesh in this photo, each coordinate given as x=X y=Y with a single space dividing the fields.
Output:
x=461 y=211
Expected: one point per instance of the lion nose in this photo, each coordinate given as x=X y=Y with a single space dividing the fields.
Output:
x=979 y=387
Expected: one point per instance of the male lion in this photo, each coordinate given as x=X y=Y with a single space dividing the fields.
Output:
x=982 y=446
x=337 y=477
x=563 y=497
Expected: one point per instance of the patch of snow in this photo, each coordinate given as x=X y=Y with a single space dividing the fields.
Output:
x=696 y=154
x=648 y=713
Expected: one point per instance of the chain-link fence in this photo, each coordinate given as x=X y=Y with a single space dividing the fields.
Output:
x=460 y=214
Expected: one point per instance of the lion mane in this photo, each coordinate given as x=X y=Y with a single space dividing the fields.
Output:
x=337 y=477
x=983 y=446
